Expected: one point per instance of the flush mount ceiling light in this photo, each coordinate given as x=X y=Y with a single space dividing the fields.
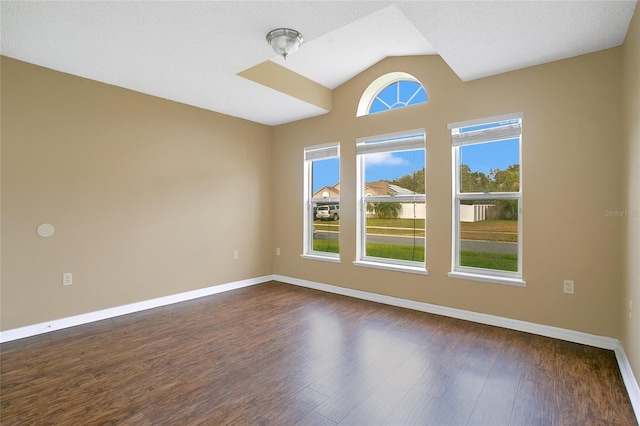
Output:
x=284 y=41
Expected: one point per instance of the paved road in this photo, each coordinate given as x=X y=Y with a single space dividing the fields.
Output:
x=467 y=245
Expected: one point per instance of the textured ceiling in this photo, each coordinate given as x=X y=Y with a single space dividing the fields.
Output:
x=191 y=52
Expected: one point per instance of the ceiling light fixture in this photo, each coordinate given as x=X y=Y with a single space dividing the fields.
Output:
x=284 y=41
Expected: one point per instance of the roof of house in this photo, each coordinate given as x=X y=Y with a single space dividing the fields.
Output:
x=382 y=187
x=379 y=187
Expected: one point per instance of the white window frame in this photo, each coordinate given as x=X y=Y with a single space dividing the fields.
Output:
x=482 y=136
x=311 y=154
x=392 y=142
x=378 y=85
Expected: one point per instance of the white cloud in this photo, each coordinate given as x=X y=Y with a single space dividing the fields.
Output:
x=384 y=159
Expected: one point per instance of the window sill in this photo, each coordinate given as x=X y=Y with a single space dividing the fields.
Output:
x=488 y=278
x=332 y=259
x=392 y=267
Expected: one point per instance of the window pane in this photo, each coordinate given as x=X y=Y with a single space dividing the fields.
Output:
x=412 y=93
x=325 y=215
x=326 y=227
x=325 y=175
x=389 y=95
x=489 y=234
x=378 y=106
x=394 y=173
x=398 y=94
x=490 y=167
x=395 y=230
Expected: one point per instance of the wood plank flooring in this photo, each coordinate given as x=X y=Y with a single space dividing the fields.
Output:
x=276 y=354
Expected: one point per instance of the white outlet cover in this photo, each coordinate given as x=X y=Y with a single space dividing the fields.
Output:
x=67 y=278
x=46 y=230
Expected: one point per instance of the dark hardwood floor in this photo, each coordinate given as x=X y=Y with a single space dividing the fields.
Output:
x=283 y=355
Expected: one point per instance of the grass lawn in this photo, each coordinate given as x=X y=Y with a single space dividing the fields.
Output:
x=396 y=223
x=386 y=251
x=327 y=246
x=395 y=231
x=501 y=262
x=498 y=261
x=391 y=251
x=326 y=226
x=377 y=226
x=490 y=230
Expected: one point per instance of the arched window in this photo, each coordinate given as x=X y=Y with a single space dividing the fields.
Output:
x=391 y=91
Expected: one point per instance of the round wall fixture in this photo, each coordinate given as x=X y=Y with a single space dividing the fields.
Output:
x=45 y=230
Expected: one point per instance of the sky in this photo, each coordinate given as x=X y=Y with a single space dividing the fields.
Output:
x=389 y=166
x=492 y=155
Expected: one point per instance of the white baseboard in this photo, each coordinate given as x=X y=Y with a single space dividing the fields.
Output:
x=46 y=327
x=543 y=330
x=629 y=379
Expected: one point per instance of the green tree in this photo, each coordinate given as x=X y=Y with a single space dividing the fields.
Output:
x=473 y=181
x=385 y=209
x=413 y=182
x=507 y=180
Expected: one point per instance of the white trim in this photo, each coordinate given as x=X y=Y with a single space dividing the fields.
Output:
x=398 y=137
x=488 y=195
x=389 y=142
x=59 y=324
x=410 y=143
x=512 y=324
x=603 y=342
x=325 y=258
x=322 y=152
x=495 y=134
x=377 y=86
x=410 y=198
x=381 y=264
x=495 y=279
x=308 y=216
x=486 y=120
x=458 y=271
x=628 y=378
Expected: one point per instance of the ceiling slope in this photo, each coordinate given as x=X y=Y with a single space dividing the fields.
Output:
x=192 y=52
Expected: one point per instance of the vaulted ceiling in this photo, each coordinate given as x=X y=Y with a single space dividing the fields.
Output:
x=192 y=52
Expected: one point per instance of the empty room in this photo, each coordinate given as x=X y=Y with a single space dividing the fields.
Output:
x=320 y=213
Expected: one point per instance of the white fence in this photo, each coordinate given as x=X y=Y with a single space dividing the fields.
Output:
x=474 y=212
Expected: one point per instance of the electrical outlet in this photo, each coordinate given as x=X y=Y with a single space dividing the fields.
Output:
x=67 y=278
x=568 y=286
x=235 y=255
x=278 y=251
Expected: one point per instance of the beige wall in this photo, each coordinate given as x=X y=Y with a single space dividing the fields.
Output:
x=149 y=197
x=572 y=156
x=631 y=70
